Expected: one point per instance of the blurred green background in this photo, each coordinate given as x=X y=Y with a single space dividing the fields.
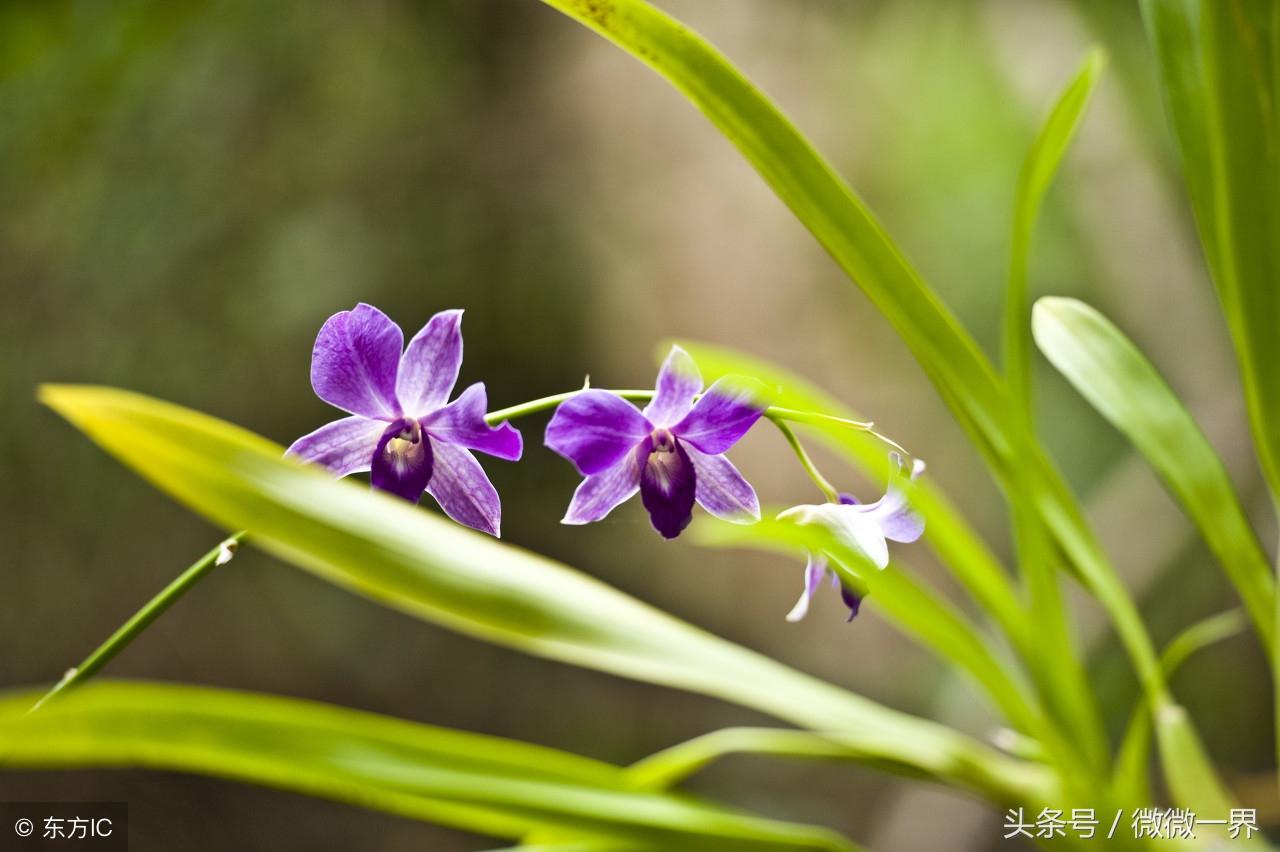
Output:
x=188 y=189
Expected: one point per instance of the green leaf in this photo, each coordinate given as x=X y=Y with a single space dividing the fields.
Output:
x=1219 y=67
x=1054 y=665
x=1113 y=375
x=1173 y=30
x=410 y=559
x=1130 y=776
x=588 y=846
x=480 y=783
x=1218 y=64
x=1038 y=171
x=1192 y=779
x=1199 y=636
x=670 y=766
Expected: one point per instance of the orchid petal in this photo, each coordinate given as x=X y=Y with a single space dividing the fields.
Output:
x=678 y=383
x=430 y=364
x=859 y=530
x=897 y=520
x=403 y=461
x=720 y=417
x=849 y=523
x=668 y=485
x=721 y=489
x=344 y=446
x=354 y=362
x=814 y=571
x=595 y=429
x=600 y=493
x=462 y=488
x=462 y=422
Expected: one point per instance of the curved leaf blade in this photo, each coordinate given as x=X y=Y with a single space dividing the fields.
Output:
x=480 y=783
x=1038 y=171
x=665 y=769
x=409 y=559
x=1123 y=386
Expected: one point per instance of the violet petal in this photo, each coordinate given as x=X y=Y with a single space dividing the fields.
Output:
x=721 y=489
x=814 y=571
x=678 y=383
x=343 y=446
x=403 y=461
x=897 y=520
x=601 y=492
x=720 y=417
x=462 y=488
x=668 y=485
x=594 y=429
x=462 y=422
x=429 y=366
x=354 y=362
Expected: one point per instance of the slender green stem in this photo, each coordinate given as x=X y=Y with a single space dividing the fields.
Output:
x=220 y=555
x=774 y=412
x=828 y=490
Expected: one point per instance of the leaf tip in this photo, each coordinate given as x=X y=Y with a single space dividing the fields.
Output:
x=1095 y=60
x=61 y=398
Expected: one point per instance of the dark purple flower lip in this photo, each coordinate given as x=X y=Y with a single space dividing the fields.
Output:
x=672 y=452
x=403 y=429
x=668 y=484
x=403 y=461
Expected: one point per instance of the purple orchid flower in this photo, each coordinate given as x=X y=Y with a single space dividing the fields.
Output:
x=403 y=428
x=865 y=527
x=672 y=452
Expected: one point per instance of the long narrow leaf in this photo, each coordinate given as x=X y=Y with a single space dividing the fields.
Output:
x=407 y=558
x=480 y=783
x=1038 y=171
x=666 y=768
x=1220 y=71
x=1219 y=65
x=1054 y=664
x=1113 y=375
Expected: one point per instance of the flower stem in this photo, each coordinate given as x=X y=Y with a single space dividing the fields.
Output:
x=128 y=631
x=810 y=468
x=774 y=412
